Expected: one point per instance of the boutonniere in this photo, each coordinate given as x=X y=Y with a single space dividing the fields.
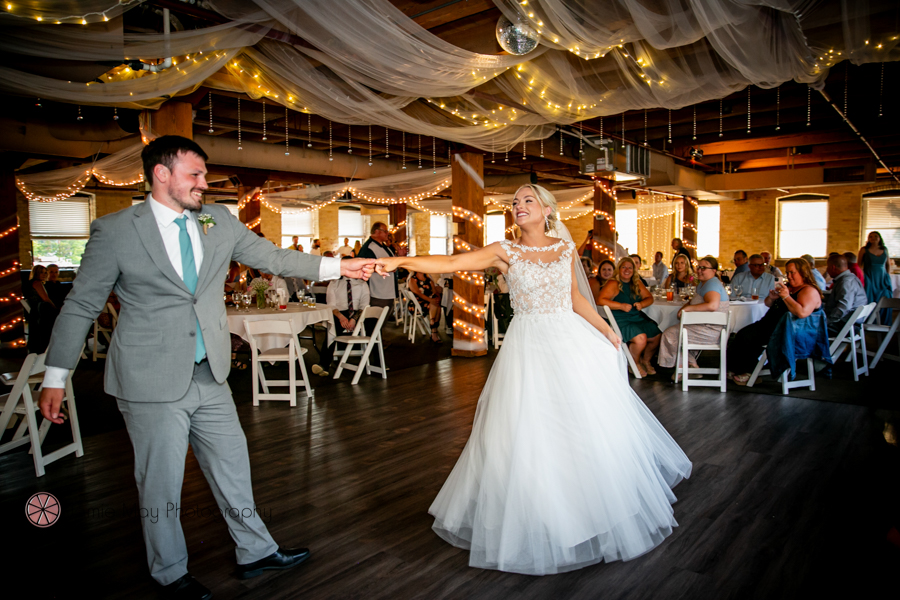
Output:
x=207 y=221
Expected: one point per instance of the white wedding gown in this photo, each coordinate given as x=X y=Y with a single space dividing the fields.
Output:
x=565 y=466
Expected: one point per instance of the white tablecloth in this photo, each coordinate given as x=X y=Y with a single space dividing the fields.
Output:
x=301 y=316
x=742 y=313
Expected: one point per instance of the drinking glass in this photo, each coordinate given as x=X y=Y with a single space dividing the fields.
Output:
x=236 y=299
x=754 y=292
x=738 y=290
x=246 y=300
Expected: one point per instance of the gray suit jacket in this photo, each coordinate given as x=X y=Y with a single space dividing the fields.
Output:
x=151 y=357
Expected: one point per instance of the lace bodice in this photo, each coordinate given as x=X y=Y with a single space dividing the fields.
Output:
x=540 y=279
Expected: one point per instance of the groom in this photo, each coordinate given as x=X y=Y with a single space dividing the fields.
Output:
x=170 y=355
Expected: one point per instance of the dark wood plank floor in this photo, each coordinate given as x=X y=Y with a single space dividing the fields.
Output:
x=788 y=497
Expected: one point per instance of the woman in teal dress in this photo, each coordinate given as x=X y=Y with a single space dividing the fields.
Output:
x=627 y=298
x=876 y=264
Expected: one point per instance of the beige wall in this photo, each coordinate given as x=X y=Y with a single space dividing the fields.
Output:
x=421 y=222
x=328 y=227
x=750 y=224
x=270 y=225
x=579 y=227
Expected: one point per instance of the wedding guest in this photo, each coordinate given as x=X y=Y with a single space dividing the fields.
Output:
x=820 y=280
x=854 y=267
x=275 y=282
x=876 y=265
x=345 y=250
x=586 y=249
x=638 y=262
x=605 y=272
x=847 y=294
x=770 y=267
x=682 y=273
x=295 y=244
x=357 y=247
x=346 y=298
x=660 y=270
x=428 y=294
x=43 y=311
x=383 y=290
x=740 y=262
x=756 y=278
x=800 y=297
x=627 y=298
x=621 y=252
x=316 y=249
x=54 y=287
x=710 y=297
x=679 y=248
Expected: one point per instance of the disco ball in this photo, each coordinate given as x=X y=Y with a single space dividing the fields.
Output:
x=516 y=38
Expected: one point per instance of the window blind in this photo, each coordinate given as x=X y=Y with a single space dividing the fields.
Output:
x=63 y=219
x=883 y=216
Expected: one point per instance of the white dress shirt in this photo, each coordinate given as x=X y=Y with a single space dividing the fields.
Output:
x=277 y=283
x=660 y=272
x=345 y=251
x=329 y=268
x=336 y=294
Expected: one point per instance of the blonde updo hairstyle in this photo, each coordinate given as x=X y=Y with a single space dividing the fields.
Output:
x=546 y=199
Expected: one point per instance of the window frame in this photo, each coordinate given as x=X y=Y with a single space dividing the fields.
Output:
x=800 y=198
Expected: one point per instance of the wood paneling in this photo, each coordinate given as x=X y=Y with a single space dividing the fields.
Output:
x=469 y=196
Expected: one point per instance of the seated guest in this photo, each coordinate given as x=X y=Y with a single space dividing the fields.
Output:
x=847 y=294
x=710 y=297
x=637 y=265
x=43 y=311
x=682 y=273
x=56 y=290
x=275 y=282
x=660 y=270
x=740 y=262
x=770 y=267
x=605 y=272
x=800 y=298
x=346 y=298
x=627 y=298
x=428 y=293
x=756 y=278
x=854 y=267
x=820 y=280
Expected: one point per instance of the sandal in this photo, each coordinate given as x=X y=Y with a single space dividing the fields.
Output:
x=238 y=365
x=648 y=368
x=742 y=379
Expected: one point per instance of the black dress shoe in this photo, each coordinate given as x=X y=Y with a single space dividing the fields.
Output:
x=283 y=558
x=187 y=588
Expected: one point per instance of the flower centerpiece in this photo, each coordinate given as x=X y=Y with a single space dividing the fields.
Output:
x=260 y=286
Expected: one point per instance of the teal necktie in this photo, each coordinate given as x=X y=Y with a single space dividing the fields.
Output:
x=189 y=275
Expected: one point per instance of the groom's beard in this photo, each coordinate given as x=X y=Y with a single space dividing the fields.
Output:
x=184 y=199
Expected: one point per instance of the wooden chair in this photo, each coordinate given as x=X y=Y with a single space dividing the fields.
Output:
x=682 y=368
x=885 y=332
x=107 y=332
x=369 y=343
x=292 y=354
x=607 y=313
x=20 y=402
x=852 y=338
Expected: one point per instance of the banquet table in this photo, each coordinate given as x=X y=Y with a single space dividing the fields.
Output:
x=742 y=313
x=299 y=315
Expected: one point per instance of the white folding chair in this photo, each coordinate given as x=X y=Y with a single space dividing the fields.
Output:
x=106 y=331
x=20 y=402
x=682 y=354
x=612 y=323
x=368 y=341
x=417 y=319
x=27 y=308
x=851 y=337
x=291 y=354
x=784 y=379
x=885 y=332
x=399 y=305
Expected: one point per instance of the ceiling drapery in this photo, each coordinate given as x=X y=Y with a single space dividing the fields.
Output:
x=595 y=59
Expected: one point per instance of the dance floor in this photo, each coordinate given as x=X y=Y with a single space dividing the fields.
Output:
x=789 y=497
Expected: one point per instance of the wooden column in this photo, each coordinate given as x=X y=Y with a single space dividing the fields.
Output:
x=12 y=326
x=248 y=188
x=469 y=196
x=604 y=230
x=174 y=118
x=510 y=221
x=689 y=227
x=398 y=216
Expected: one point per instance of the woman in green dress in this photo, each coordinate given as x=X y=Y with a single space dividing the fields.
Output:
x=627 y=298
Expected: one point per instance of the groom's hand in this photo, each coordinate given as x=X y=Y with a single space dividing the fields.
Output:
x=50 y=401
x=358 y=268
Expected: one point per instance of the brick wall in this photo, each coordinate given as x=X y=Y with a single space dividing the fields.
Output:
x=750 y=224
x=421 y=223
x=270 y=224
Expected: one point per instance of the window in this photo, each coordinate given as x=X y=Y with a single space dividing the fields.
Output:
x=626 y=226
x=440 y=227
x=708 y=230
x=803 y=226
x=300 y=223
x=882 y=214
x=233 y=209
x=60 y=230
x=494 y=228
x=350 y=225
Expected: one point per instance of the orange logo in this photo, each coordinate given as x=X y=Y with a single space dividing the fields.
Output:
x=42 y=509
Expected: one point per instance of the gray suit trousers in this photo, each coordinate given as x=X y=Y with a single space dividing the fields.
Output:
x=160 y=431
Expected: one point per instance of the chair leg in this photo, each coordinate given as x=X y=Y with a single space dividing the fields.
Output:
x=865 y=354
x=852 y=356
x=723 y=367
x=73 y=418
x=811 y=368
x=759 y=367
x=363 y=363
x=31 y=419
x=381 y=357
x=254 y=374
x=344 y=356
x=685 y=375
x=292 y=382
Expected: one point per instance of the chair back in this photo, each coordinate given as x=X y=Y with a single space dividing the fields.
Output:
x=26 y=305
x=612 y=321
x=254 y=328
x=875 y=317
x=113 y=314
x=372 y=312
x=607 y=313
x=842 y=334
x=705 y=318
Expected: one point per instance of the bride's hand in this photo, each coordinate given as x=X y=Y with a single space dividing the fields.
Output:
x=385 y=265
x=616 y=341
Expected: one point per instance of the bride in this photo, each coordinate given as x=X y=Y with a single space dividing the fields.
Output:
x=565 y=466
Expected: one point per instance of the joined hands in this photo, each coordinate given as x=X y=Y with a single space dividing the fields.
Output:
x=358 y=268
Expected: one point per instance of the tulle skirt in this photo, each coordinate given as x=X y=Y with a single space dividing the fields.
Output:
x=565 y=466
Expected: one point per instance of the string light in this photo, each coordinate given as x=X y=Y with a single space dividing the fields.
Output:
x=8 y=231
x=581 y=138
x=524 y=150
x=12 y=269
x=468 y=215
x=645 y=126
x=75 y=187
x=330 y=157
x=11 y=324
x=506 y=155
x=239 y=123
x=349 y=139
x=778 y=108
x=670 y=126
x=254 y=223
x=542 y=147
x=748 y=109
x=79 y=117
x=287 y=134
x=720 y=118
x=387 y=142
x=115 y=113
x=694 y=135
x=471 y=277
x=211 y=130
x=403 y=150
x=370 y=145
x=472 y=309
x=420 y=150
x=467 y=329
x=808 y=106
x=264 y=138
x=463 y=244
x=434 y=154
x=881 y=92
x=560 y=142
x=309 y=130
